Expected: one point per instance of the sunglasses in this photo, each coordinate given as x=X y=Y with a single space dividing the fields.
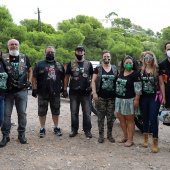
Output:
x=149 y=58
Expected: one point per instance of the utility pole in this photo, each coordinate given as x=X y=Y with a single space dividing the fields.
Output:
x=39 y=20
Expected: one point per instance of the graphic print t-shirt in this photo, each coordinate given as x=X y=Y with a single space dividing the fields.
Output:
x=125 y=85
x=3 y=80
x=149 y=85
x=51 y=79
x=107 y=84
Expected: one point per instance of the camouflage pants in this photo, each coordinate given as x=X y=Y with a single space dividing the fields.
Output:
x=105 y=107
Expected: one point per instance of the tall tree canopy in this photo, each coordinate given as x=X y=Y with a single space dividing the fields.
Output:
x=82 y=30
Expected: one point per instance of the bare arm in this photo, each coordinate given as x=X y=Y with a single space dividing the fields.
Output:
x=138 y=92
x=66 y=80
x=136 y=100
x=93 y=84
x=30 y=73
x=34 y=83
x=162 y=87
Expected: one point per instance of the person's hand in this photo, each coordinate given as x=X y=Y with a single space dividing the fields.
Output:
x=163 y=101
x=28 y=84
x=65 y=94
x=62 y=89
x=95 y=97
x=136 y=103
x=34 y=93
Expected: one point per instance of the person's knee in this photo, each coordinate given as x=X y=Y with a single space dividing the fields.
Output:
x=56 y=113
x=55 y=110
x=42 y=112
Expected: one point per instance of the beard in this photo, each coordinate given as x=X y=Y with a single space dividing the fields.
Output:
x=14 y=52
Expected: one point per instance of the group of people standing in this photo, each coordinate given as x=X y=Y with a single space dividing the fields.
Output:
x=122 y=92
x=130 y=91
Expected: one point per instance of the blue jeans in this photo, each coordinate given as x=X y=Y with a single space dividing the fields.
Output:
x=150 y=109
x=1 y=110
x=85 y=101
x=20 y=98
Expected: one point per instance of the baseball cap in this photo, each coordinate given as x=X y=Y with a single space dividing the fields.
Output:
x=79 y=48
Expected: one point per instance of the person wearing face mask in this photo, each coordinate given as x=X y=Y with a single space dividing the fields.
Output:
x=103 y=91
x=78 y=74
x=164 y=67
x=48 y=77
x=128 y=91
x=19 y=72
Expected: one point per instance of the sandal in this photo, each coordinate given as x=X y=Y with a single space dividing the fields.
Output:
x=128 y=143
x=122 y=140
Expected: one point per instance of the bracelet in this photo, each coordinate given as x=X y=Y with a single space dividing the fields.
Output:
x=93 y=93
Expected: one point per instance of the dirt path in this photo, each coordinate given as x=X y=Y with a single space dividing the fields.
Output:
x=79 y=153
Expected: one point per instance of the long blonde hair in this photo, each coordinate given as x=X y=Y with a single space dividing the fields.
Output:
x=154 y=64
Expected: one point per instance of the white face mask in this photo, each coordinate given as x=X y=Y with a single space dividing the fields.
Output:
x=168 y=53
x=14 y=52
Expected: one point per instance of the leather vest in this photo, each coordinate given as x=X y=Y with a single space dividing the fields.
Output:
x=17 y=71
x=99 y=75
x=80 y=78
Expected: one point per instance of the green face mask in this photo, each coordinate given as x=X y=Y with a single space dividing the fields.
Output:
x=128 y=67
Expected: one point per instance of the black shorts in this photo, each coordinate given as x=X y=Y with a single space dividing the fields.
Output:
x=54 y=105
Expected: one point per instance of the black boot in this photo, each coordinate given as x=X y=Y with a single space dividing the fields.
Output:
x=101 y=138
x=110 y=137
x=4 y=141
x=22 y=138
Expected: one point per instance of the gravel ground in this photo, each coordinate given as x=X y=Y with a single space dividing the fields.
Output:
x=79 y=153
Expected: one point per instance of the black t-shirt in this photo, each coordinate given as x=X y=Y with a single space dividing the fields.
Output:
x=14 y=59
x=69 y=72
x=107 y=84
x=3 y=79
x=149 y=85
x=125 y=85
x=52 y=80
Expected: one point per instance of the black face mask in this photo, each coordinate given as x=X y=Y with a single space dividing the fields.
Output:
x=50 y=56
x=79 y=57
